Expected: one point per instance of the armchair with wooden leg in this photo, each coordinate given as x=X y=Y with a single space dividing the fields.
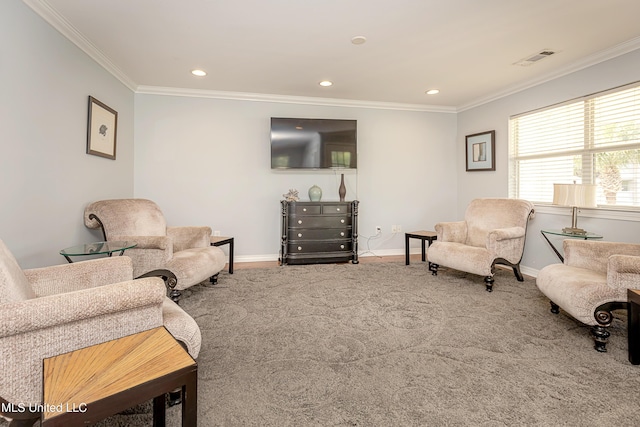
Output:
x=592 y=282
x=493 y=232
x=186 y=251
x=49 y=311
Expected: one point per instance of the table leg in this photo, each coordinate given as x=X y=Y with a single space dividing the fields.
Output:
x=560 y=257
x=229 y=242
x=633 y=330
x=424 y=251
x=159 y=411
x=190 y=401
x=231 y=256
x=406 y=248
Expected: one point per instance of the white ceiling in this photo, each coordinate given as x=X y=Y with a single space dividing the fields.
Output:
x=283 y=48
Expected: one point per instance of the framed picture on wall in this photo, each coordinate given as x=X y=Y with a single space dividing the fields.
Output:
x=101 y=130
x=480 y=151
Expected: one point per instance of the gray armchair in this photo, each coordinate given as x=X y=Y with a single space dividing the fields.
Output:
x=48 y=311
x=592 y=282
x=493 y=232
x=185 y=251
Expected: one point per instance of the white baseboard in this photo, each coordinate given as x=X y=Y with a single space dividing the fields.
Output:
x=255 y=258
x=376 y=253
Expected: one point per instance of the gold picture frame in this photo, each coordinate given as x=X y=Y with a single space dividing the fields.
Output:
x=102 y=129
x=481 y=151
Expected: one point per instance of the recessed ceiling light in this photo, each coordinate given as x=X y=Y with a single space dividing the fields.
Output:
x=432 y=91
x=325 y=83
x=199 y=73
x=359 y=40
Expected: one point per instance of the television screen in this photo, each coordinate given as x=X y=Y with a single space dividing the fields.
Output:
x=313 y=143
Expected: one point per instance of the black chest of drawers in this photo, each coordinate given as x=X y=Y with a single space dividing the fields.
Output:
x=319 y=232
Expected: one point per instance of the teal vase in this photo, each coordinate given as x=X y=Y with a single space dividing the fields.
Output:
x=315 y=193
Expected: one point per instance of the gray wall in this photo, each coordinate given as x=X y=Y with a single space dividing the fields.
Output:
x=207 y=161
x=47 y=177
x=614 y=226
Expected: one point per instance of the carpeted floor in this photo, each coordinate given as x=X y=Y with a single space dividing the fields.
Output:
x=384 y=344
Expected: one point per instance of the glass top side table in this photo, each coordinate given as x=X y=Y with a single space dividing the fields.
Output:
x=588 y=236
x=97 y=248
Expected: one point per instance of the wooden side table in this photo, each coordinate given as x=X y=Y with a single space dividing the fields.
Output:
x=422 y=235
x=87 y=385
x=221 y=240
x=633 y=330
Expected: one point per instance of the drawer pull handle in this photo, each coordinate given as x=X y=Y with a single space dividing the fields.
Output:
x=338 y=209
x=299 y=234
x=299 y=221
x=299 y=248
x=342 y=233
x=304 y=209
x=342 y=221
x=341 y=246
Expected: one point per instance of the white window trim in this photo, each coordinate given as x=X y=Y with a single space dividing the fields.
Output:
x=599 y=213
x=623 y=213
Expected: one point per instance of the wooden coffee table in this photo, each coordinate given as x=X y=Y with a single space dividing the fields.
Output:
x=87 y=385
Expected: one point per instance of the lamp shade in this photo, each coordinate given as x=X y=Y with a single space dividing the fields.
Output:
x=579 y=195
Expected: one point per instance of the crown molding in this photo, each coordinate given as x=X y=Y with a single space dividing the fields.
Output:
x=57 y=21
x=288 y=99
x=604 y=55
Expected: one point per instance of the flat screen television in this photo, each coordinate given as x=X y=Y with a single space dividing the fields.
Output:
x=313 y=143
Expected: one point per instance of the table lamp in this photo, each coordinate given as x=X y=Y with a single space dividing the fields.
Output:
x=576 y=196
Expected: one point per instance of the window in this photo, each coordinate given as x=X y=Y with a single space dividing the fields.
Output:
x=591 y=140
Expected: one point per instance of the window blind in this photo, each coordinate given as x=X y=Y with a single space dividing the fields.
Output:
x=593 y=140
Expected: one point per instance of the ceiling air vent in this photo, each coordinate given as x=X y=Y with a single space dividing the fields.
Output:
x=535 y=58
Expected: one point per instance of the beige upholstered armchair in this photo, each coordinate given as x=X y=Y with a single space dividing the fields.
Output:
x=48 y=311
x=185 y=251
x=592 y=282
x=493 y=232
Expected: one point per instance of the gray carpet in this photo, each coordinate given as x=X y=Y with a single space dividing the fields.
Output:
x=382 y=344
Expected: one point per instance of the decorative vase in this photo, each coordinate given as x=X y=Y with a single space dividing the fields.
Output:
x=315 y=193
x=342 y=190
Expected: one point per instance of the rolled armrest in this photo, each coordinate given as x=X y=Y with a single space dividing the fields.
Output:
x=455 y=231
x=594 y=255
x=150 y=252
x=623 y=271
x=506 y=243
x=506 y=233
x=79 y=275
x=189 y=237
x=147 y=242
x=45 y=312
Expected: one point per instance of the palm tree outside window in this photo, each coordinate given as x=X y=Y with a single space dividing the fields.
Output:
x=590 y=140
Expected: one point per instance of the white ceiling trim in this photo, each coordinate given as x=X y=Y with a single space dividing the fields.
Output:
x=331 y=102
x=604 y=55
x=57 y=21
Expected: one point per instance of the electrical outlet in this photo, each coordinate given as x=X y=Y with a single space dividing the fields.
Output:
x=394 y=228
x=216 y=232
x=398 y=229
x=378 y=229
